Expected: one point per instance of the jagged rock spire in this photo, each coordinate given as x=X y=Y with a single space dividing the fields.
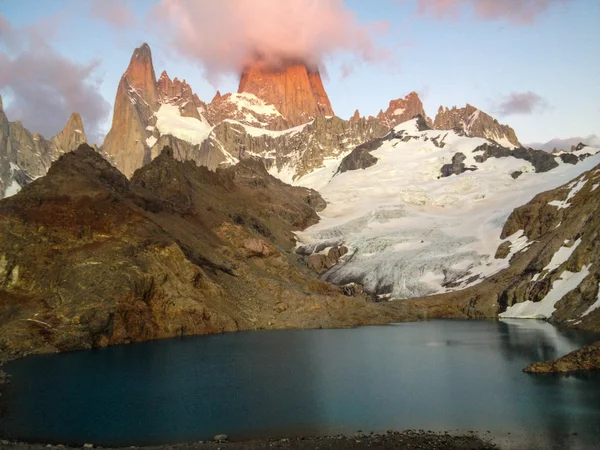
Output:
x=71 y=136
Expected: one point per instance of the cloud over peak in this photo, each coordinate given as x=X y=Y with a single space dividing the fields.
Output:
x=226 y=35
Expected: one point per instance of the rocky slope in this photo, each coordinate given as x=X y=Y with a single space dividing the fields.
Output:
x=25 y=156
x=561 y=276
x=89 y=258
x=552 y=246
x=474 y=122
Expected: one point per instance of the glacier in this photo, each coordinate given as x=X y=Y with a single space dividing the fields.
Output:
x=411 y=232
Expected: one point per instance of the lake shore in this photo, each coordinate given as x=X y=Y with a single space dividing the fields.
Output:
x=405 y=439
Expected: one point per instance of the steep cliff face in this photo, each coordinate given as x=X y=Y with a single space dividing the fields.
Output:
x=474 y=122
x=25 y=156
x=135 y=103
x=296 y=92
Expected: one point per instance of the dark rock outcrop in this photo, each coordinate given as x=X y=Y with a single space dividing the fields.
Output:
x=542 y=161
x=569 y=158
x=320 y=262
x=585 y=358
x=457 y=167
x=360 y=157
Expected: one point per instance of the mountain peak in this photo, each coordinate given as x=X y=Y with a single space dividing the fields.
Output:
x=1 y=106
x=143 y=52
x=295 y=90
x=71 y=136
x=140 y=74
x=401 y=110
x=75 y=122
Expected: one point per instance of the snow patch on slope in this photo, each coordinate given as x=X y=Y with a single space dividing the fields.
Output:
x=595 y=306
x=561 y=255
x=170 y=121
x=12 y=189
x=575 y=187
x=543 y=309
x=245 y=100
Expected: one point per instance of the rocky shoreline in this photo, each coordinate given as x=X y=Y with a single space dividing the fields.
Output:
x=392 y=439
x=584 y=358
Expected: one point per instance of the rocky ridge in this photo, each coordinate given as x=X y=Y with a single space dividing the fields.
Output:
x=474 y=122
x=280 y=114
x=402 y=110
x=25 y=156
x=257 y=121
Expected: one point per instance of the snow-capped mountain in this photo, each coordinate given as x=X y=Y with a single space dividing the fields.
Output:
x=25 y=156
x=425 y=215
x=292 y=129
x=150 y=113
x=412 y=211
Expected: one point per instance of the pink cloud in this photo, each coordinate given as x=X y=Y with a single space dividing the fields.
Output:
x=114 y=12
x=226 y=35
x=519 y=12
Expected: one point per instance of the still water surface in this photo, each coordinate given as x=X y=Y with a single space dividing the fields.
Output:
x=437 y=375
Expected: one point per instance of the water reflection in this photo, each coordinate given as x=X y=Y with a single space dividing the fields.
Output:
x=438 y=375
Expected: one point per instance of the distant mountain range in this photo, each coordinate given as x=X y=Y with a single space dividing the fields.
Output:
x=566 y=144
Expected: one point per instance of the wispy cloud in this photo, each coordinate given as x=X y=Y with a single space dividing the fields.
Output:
x=45 y=87
x=521 y=103
x=114 y=12
x=518 y=12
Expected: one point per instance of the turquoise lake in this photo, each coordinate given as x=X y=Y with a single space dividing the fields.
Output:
x=436 y=375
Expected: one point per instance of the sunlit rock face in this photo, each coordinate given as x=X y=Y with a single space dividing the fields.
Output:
x=295 y=90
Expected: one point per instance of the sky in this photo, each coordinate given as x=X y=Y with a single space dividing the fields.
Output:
x=532 y=64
